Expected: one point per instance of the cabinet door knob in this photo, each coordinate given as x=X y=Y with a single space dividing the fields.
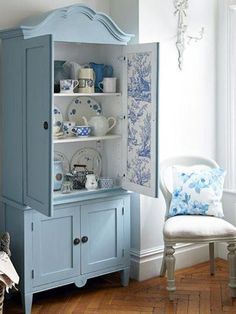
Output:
x=84 y=239
x=45 y=125
x=76 y=241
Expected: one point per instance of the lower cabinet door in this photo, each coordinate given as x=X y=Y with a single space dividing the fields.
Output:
x=101 y=235
x=56 y=251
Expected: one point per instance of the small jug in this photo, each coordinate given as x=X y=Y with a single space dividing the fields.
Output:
x=101 y=70
x=91 y=182
x=57 y=175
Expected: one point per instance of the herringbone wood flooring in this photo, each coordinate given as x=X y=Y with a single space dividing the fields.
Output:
x=197 y=292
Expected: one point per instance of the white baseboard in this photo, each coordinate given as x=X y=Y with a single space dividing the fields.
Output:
x=146 y=264
x=222 y=250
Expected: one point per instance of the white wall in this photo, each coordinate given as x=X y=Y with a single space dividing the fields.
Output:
x=226 y=94
x=187 y=109
x=12 y=12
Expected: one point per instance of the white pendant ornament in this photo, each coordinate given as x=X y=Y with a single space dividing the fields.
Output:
x=181 y=7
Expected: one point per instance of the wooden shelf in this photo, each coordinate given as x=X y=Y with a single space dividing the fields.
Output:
x=87 y=95
x=64 y=140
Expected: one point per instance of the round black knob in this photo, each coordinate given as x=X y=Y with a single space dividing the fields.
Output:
x=45 y=125
x=76 y=241
x=84 y=239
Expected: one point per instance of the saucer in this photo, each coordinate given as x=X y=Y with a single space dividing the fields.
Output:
x=58 y=135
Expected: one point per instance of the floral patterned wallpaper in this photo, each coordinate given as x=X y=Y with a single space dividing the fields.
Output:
x=139 y=118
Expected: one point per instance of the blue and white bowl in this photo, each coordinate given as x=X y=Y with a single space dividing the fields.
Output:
x=81 y=130
x=106 y=182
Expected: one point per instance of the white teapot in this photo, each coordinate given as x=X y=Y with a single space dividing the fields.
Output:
x=91 y=182
x=100 y=124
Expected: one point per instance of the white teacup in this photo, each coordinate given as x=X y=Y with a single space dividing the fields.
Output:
x=68 y=86
x=67 y=128
x=108 y=85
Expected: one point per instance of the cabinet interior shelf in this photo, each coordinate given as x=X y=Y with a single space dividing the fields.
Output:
x=58 y=196
x=85 y=139
x=85 y=94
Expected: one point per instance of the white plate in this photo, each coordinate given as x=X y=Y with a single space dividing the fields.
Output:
x=89 y=157
x=62 y=157
x=57 y=118
x=82 y=106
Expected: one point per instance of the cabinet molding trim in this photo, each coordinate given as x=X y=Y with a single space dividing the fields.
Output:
x=37 y=25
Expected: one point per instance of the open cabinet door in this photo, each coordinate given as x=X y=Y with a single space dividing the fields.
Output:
x=140 y=147
x=37 y=80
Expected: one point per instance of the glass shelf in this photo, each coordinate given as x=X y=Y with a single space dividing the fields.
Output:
x=84 y=94
x=85 y=139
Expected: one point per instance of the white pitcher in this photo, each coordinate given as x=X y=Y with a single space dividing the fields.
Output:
x=91 y=182
x=73 y=69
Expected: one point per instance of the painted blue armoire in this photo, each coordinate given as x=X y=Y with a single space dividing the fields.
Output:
x=59 y=239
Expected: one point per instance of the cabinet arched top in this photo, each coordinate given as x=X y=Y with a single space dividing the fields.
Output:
x=76 y=23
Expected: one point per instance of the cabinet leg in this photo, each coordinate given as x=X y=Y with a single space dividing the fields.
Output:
x=124 y=277
x=27 y=300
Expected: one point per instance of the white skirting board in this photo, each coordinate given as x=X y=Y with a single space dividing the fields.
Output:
x=146 y=264
x=222 y=250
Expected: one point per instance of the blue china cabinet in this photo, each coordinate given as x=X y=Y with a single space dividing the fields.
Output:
x=61 y=239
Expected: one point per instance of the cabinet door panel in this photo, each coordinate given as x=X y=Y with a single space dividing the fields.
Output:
x=141 y=141
x=54 y=254
x=37 y=61
x=102 y=224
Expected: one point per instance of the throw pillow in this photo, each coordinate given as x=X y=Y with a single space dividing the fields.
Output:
x=197 y=192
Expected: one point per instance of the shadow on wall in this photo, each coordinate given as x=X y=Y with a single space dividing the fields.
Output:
x=229 y=206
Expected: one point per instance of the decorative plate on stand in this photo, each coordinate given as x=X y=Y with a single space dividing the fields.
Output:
x=89 y=157
x=83 y=106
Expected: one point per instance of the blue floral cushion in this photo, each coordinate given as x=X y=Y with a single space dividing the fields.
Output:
x=197 y=192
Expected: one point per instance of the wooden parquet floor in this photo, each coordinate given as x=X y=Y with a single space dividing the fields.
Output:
x=197 y=293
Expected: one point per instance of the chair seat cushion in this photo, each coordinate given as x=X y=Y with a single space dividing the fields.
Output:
x=197 y=227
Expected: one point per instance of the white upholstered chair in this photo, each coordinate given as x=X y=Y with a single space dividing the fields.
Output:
x=193 y=228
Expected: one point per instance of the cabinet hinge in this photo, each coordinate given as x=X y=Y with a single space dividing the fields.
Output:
x=32 y=226
x=123 y=210
x=123 y=252
x=122 y=58
x=122 y=116
x=32 y=274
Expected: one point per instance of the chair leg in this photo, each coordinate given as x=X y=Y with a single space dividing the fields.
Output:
x=163 y=264
x=170 y=265
x=232 y=268
x=212 y=258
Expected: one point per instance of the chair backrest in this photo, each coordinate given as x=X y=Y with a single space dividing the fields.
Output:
x=185 y=161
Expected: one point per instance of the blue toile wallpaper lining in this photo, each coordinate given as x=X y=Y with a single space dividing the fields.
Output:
x=139 y=118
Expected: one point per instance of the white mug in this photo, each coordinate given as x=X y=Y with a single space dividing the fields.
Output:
x=108 y=85
x=68 y=86
x=86 y=80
